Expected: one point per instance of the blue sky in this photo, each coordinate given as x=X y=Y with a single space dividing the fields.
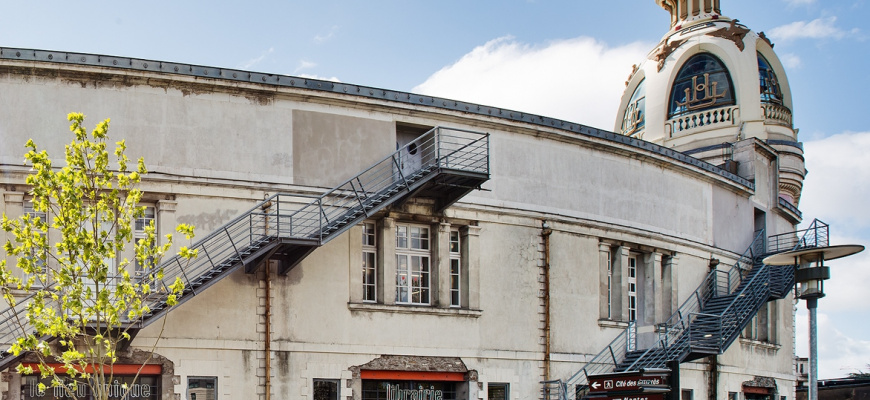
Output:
x=562 y=58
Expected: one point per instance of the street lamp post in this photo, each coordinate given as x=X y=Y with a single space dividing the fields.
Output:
x=810 y=275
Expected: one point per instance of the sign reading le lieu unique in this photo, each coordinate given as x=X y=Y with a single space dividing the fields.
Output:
x=626 y=383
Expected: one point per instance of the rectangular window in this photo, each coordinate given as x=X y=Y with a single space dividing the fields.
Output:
x=609 y=285
x=412 y=264
x=455 y=269
x=29 y=210
x=202 y=388
x=498 y=391
x=762 y=326
x=632 y=288
x=325 y=389
x=38 y=259
x=146 y=220
x=686 y=394
x=733 y=396
x=369 y=260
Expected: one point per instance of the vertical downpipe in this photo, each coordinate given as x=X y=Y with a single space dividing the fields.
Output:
x=267 y=345
x=267 y=348
x=545 y=234
x=713 y=378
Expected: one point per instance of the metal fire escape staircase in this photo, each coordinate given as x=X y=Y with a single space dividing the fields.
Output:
x=443 y=164
x=708 y=321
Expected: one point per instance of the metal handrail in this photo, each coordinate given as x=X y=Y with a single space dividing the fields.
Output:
x=678 y=333
x=306 y=219
x=672 y=338
x=816 y=235
x=607 y=359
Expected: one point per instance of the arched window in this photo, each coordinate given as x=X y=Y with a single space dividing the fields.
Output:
x=702 y=83
x=769 y=85
x=634 y=118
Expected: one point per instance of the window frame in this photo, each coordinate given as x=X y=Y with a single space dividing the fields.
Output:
x=455 y=261
x=390 y=268
x=416 y=252
x=498 y=385
x=139 y=226
x=336 y=382
x=29 y=210
x=767 y=79
x=683 y=77
x=687 y=394
x=634 y=117
x=631 y=288
x=203 y=378
x=369 y=262
x=610 y=284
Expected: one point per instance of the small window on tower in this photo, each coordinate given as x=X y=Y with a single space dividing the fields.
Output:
x=768 y=83
x=634 y=118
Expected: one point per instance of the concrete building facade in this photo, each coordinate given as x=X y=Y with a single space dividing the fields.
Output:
x=519 y=269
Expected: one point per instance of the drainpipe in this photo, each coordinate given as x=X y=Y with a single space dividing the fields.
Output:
x=545 y=235
x=713 y=378
x=267 y=312
x=267 y=348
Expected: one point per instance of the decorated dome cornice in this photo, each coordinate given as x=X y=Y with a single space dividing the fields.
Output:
x=688 y=12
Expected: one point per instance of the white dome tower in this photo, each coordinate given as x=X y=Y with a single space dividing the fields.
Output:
x=709 y=84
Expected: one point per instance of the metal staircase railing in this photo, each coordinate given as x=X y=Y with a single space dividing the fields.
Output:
x=297 y=224
x=782 y=277
x=676 y=333
x=816 y=235
x=709 y=320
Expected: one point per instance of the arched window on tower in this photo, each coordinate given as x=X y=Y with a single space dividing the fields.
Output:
x=769 y=85
x=702 y=83
x=772 y=105
x=634 y=118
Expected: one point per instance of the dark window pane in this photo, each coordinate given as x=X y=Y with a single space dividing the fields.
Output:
x=325 y=389
x=498 y=391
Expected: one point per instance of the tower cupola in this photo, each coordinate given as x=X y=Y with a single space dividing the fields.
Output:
x=688 y=12
x=708 y=85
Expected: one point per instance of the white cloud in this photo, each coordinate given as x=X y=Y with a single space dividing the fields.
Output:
x=578 y=79
x=254 y=61
x=837 y=186
x=303 y=65
x=819 y=28
x=838 y=353
x=790 y=60
x=321 y=38
x=310 y=76
x=835 y=191
x=795 y=3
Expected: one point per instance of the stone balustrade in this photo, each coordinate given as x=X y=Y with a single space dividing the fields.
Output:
x=685 y=123
x=776 y=114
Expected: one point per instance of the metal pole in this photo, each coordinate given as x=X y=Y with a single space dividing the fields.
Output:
x=814 y=364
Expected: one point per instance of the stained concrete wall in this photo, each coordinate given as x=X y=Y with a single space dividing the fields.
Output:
x=218 y=148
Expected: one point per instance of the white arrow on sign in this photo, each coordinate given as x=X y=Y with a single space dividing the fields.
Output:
x=595 y=385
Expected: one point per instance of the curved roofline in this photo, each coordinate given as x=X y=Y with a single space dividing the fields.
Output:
x=136 y=64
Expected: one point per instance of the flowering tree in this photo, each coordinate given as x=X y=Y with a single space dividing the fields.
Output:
x=77 y=296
